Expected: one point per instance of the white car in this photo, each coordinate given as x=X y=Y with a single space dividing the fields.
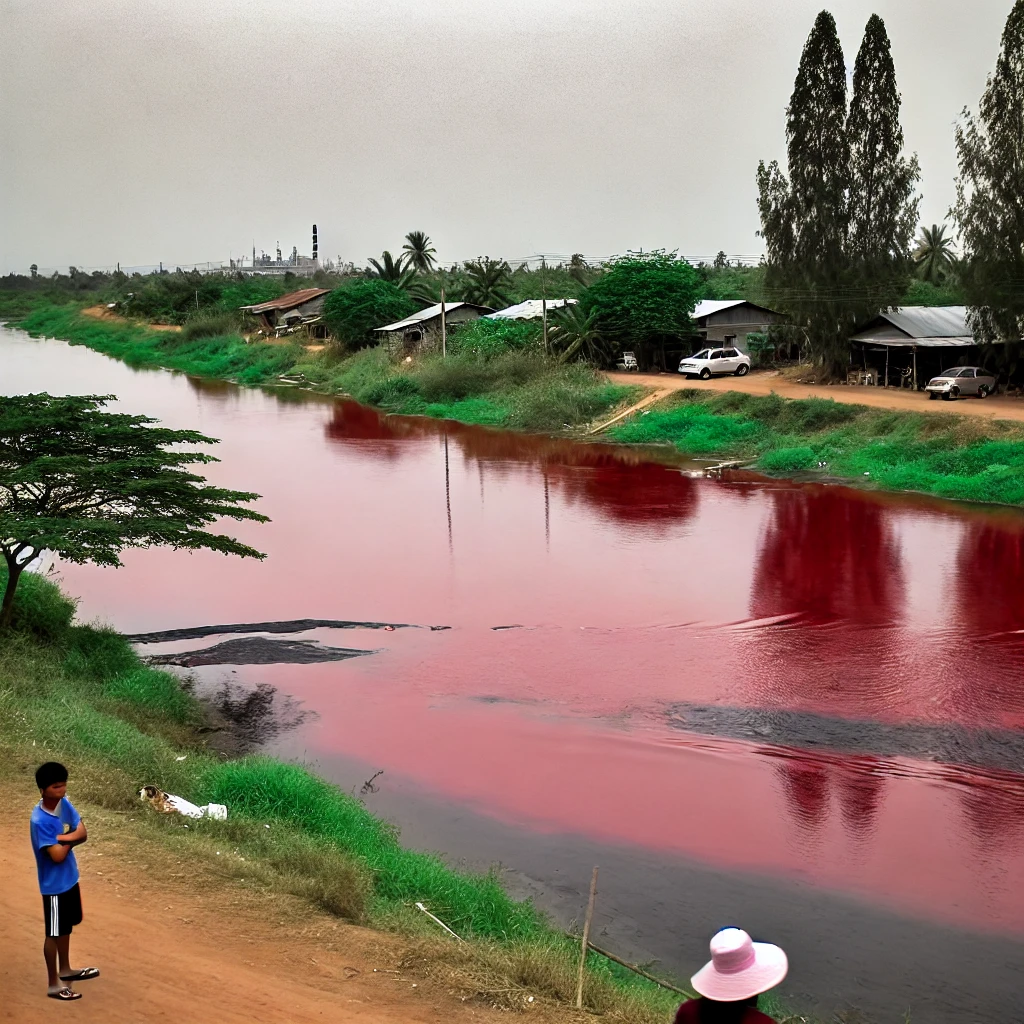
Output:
x=710 y=361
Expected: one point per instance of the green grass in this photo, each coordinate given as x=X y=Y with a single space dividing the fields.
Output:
x=81 y=695
x=945 y=455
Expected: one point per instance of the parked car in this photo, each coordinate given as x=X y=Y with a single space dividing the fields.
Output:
x=628 y=362
x=961 y=380
x=711 y=361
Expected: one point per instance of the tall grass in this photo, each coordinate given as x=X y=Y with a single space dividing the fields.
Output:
x=935 y=454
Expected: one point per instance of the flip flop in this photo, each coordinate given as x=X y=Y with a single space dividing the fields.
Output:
x=82 y=974
x=65 y=995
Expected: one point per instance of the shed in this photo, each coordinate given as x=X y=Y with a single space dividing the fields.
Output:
x=530 y=309
x=910 y=328
x=729 y=321
x=422 y=331
x=295 y=307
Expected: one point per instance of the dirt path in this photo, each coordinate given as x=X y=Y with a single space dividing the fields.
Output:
x=102 y=313
x=172 y=949
x=655 y=396
x=763 y=383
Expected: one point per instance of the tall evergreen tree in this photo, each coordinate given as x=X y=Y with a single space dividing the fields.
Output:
x=804 y=219
x=989 y=208
x=883 y=201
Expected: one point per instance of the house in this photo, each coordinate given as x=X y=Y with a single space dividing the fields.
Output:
x=289 y=310
x=422 y=331
x=530 y=309
x=898 y=341
x=729 y=321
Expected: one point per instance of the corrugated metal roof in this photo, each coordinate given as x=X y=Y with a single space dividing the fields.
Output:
x=962 y=342
x=429 y=313
x=929 y=322
x=530 y=309
x=708 y=306
x=289 y=301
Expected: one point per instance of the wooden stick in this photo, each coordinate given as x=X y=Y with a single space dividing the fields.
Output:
x=643 y=974
x=437 y=920
x=586 y=938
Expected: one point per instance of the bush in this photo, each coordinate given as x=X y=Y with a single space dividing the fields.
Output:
x=210 y=325
x=789 y=460
x=491 y=338
x=353 y=312
x=39 y=606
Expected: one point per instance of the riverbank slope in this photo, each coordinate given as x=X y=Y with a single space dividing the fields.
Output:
x=936 y=450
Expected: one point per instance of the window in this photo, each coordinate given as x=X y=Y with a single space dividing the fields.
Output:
x=703 y=354
x=717 y=354
x=731 y=353
x=967 y=373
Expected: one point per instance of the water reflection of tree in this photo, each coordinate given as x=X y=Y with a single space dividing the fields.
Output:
x=990 y=577
x=621 y=484
x=830 y=563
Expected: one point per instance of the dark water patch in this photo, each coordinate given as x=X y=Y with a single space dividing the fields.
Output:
x=244 y=719
x=259 y=650
x=997 y=749
x=288 y=626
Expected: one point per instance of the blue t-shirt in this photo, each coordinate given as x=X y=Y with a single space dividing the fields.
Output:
x=54 y=878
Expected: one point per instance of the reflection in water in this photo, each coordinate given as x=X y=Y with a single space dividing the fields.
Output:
x=805 y=783
x=990 y=577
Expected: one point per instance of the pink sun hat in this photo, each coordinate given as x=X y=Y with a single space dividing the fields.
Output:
x=739 y=967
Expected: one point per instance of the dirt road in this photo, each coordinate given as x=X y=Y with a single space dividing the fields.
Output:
x=172 y=951
x=997 y=408
x=102 y=313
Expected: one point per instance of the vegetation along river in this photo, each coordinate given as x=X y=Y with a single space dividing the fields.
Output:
x=793 y=708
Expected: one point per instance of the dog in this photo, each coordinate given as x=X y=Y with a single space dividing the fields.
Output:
x=157 y=799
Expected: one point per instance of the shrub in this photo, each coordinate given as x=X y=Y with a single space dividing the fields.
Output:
x=39 y=606
x=354 y=311
x=210 y=325
x=788 y=460
x=490 y=338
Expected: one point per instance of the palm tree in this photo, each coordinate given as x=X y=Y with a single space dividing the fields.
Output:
x=573 y=333
x=395 y=271
x=419 y=253
x=934 y=256
x=487 y=282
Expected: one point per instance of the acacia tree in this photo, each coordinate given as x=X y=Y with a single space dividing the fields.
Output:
x=86 y=484
x=642 y=301
x=990 y=195
x=882 y=201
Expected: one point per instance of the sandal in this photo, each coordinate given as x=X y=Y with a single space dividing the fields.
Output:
x=65 y=994
x=82 y=974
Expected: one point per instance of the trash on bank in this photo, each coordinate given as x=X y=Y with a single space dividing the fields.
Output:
x=168 y=803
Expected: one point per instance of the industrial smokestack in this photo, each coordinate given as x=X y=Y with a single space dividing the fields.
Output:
x=314 y=243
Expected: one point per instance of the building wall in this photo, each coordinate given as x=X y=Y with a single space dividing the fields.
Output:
x=314 y=307
x=736 y=323
x=405 y=342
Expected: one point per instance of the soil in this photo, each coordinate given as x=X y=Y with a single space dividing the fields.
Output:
x=764 y=382
x=174 y=943
x=259 y=650
x=102 y=313
x=289 y=626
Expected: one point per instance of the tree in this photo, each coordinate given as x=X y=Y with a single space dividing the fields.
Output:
x=354 y=311
x=882 y=200
x=804 y=218
x=644 y=300
x=989 y=191
x=419 y=253
x=487 y=282
x=34 y=270
x=721 y=260
x=86 y=484
x=933 y=255
x=574 y=333
x=397 y=272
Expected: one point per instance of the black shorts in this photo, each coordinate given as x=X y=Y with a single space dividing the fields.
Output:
x=62 y=912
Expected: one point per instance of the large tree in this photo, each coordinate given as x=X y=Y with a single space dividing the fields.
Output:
x=934 y=256
x=805 y=218
x=420 y=254
x=883 y=198
x=989 y=208
x=642 y=301
x=397 y=272
x=354 y=311
x=85 y=484
x=487 y=282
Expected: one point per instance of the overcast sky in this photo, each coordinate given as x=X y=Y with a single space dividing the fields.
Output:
x=185 y=130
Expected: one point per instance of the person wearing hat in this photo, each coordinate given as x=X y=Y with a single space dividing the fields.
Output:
x=739 y=971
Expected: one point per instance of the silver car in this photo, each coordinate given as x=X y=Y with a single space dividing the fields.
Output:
x=712 y=361
x=961 y=380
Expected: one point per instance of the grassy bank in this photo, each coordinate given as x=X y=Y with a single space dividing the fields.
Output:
x=948 y=456
x=81 y=695
x=518 y=389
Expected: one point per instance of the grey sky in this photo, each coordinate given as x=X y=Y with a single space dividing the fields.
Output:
x=182 y=130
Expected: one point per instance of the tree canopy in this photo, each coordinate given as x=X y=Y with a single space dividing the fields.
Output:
x=85 y=484
x=354 y=311
x=642 y=300
x=420 y=253
x=933 y=255
x=990 y=187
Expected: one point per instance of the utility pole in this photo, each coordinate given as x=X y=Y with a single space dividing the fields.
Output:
x=444 y=338
x=544 y=311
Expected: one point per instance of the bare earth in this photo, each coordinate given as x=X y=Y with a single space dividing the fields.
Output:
x=102 y=313
x=173 y=947
x=763 y=383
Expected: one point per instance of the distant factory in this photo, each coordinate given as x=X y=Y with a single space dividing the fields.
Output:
x=278 y=265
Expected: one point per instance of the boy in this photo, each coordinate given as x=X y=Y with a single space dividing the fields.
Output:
x=56 y=829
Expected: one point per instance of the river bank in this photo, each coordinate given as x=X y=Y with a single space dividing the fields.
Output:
x=949 y=456
x=82 y=695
